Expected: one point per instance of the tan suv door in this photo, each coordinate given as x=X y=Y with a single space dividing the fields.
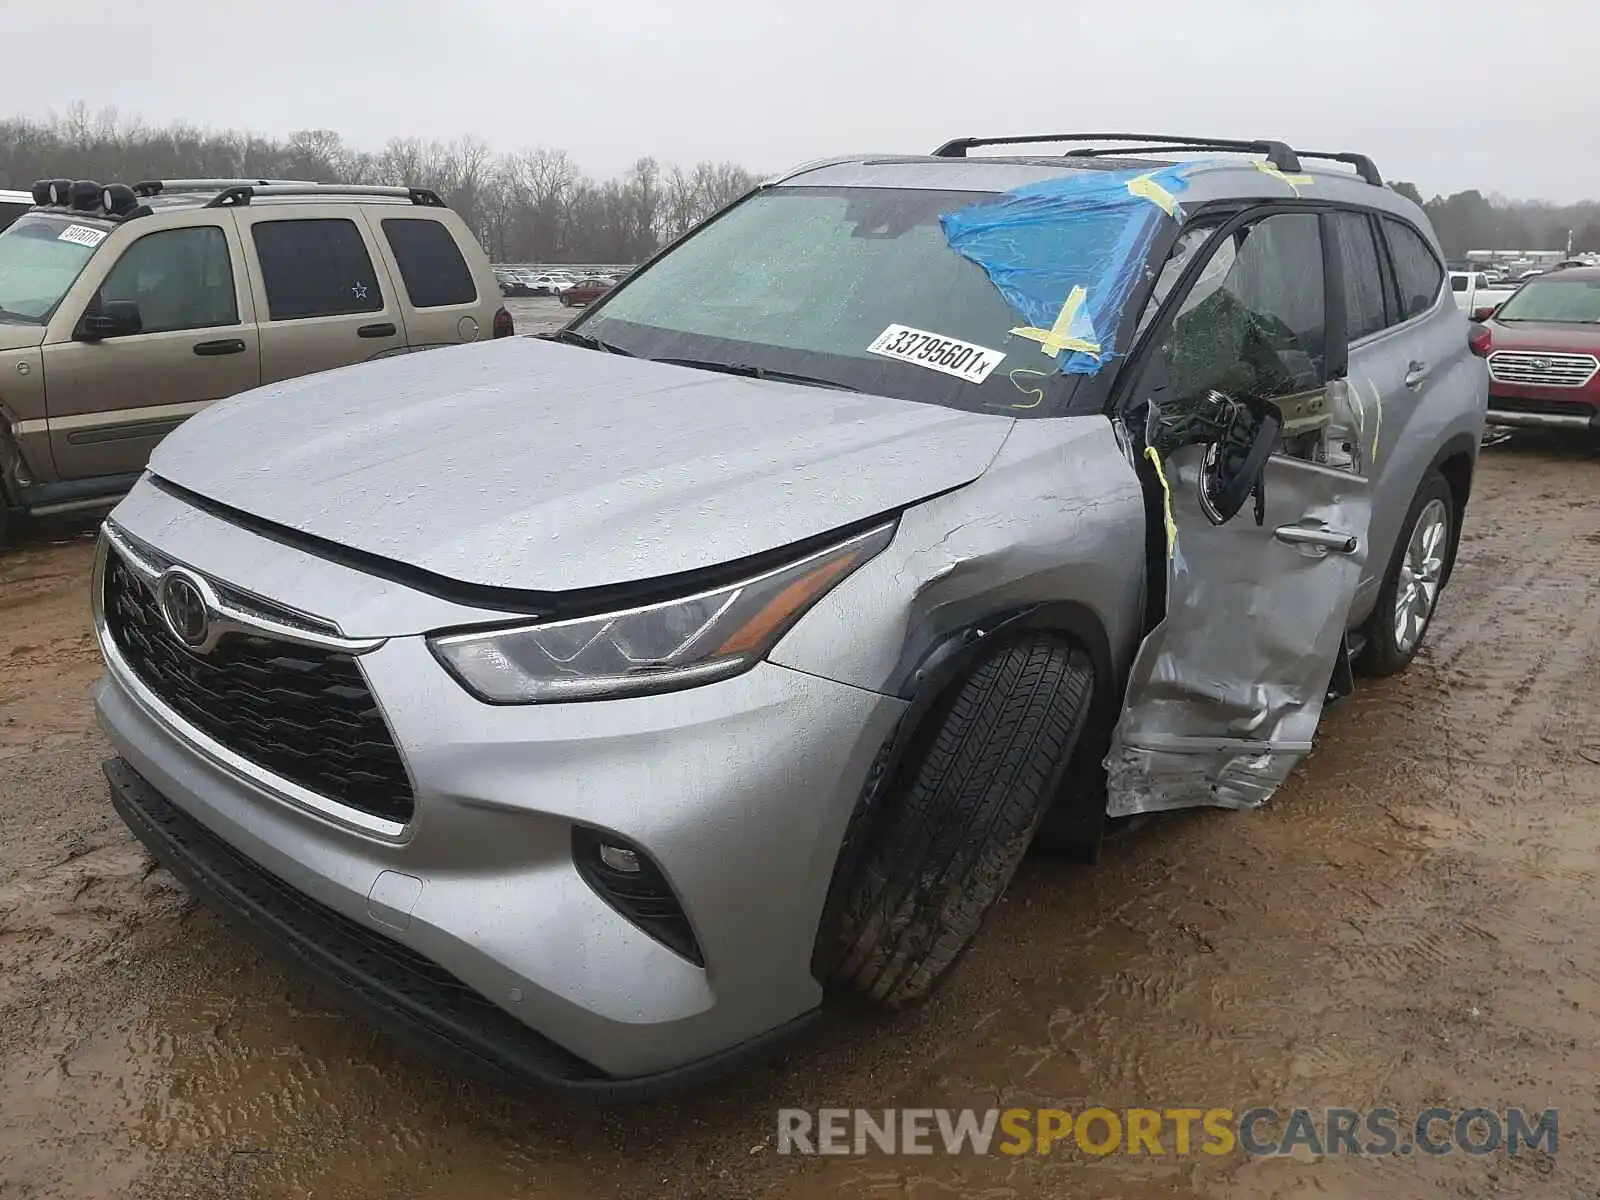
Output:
x=109 y=402
x=324 y=297
x=427 y=252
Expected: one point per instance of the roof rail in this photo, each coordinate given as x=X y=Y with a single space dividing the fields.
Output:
x=1278 y=153
x=154 y=187
x=1364 y=166
x=243 y=193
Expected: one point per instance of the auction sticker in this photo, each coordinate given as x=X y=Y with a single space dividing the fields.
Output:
x=952 y=356
x=83 y=235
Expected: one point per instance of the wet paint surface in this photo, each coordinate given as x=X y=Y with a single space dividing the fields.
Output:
x=1410 y=922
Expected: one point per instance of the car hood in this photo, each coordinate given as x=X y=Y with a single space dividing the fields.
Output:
x=528 y=464
x=16 y=336
x=1545 y=335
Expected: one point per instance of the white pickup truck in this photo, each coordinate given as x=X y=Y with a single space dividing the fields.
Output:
x=1475 y=294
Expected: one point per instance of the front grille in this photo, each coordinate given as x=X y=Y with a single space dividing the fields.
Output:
x=1542 y=370
x=301 y=712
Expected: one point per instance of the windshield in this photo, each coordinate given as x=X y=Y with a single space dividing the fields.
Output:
x=1566 y=300
x=40 y=258
x=853 y=286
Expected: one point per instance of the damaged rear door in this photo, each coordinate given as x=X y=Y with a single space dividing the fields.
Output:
x=1240 y=416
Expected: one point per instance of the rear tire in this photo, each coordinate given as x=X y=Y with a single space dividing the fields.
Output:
x=1387 y=651
x=958 y=818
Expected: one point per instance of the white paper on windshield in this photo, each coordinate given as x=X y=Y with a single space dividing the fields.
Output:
x=951 y=356
x=83 y=235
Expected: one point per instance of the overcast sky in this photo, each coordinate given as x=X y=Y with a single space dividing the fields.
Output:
x=1451 y=95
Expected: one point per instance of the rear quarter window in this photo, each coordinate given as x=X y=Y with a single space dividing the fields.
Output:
x=1416 y=269
x=431 y=266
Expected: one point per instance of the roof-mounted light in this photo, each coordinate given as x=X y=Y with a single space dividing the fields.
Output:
x=85 y=195
x=118 y=199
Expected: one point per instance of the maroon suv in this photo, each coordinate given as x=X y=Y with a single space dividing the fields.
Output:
x=1543 y=346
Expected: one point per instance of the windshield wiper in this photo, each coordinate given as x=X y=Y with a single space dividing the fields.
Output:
x=753 y=372
x=574 y=338
x=7 y=315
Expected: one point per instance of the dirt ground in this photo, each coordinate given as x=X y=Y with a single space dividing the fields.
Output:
x=1411 y=922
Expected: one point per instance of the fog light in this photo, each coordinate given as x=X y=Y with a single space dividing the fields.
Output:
x=619 y=859
x=630 y=881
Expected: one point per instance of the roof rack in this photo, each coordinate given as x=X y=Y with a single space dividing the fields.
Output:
x=237 y=194
x=1280 y=154
x=155 y=187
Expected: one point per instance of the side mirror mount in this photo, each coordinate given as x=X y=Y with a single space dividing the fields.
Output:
x=1231 y=471
x=109 y=319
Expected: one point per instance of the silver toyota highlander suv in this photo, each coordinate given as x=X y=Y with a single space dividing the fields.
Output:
x=583 y=706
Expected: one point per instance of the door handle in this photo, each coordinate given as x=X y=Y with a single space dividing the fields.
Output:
x=1416 y=372
x=225 y=346
x=383 y=329
x=1324 y=539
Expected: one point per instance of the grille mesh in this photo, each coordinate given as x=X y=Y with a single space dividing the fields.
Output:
x=301 y=712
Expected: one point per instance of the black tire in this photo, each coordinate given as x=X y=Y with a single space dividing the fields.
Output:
x=1381 y=655
x=953 y=826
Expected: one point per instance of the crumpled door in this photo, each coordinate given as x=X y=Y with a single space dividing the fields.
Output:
x=1226 y=692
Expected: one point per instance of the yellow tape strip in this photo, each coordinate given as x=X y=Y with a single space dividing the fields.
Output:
x=1036 y=392
x=1054 y=340
x=1295 y=182
x=1148 y=189
x=1166 y=501
x=1377 y=426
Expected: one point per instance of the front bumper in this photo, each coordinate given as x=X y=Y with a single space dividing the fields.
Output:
x=411 y=998
x=1543 y=408
x=739 y=791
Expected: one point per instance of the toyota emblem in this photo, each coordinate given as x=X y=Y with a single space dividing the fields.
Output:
x=1541 y=364
x=184 y=606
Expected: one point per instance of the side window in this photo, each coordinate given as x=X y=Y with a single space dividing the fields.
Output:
x=430 y=262
x=1184 y=248
x=179 y=278
x=1416 y=269
x=1253 y=324
x=1458 y=283
x=1363 y=278
x=315 y=268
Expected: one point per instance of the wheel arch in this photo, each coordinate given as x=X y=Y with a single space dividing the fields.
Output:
x=1456 y=460
x=930 y=683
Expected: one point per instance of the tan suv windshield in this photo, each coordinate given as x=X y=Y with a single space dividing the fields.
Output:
x=40 y=258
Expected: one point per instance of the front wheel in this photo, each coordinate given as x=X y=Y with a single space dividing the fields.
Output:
x=955 y=824
x=1410 y=590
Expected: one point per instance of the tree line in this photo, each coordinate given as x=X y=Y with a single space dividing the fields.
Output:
x=1472 y=221
x=531 y=206
x=537 y=206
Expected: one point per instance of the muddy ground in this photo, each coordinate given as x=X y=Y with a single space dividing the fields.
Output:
x=1413 y=921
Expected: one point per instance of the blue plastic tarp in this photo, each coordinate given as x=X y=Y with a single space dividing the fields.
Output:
x=1066 y=254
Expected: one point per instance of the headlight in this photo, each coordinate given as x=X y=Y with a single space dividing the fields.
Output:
x=655 y=648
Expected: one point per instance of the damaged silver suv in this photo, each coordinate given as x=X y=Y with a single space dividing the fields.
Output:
x=583 y=706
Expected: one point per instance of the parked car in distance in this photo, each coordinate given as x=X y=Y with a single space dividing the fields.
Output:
x=13 y=205
x=585 y=291
x=1475 y=293
x=513 y=282
x=1543 y=349
x=125 y=310
x=596 y=699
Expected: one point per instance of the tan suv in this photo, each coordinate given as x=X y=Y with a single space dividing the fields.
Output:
x=124 y=310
